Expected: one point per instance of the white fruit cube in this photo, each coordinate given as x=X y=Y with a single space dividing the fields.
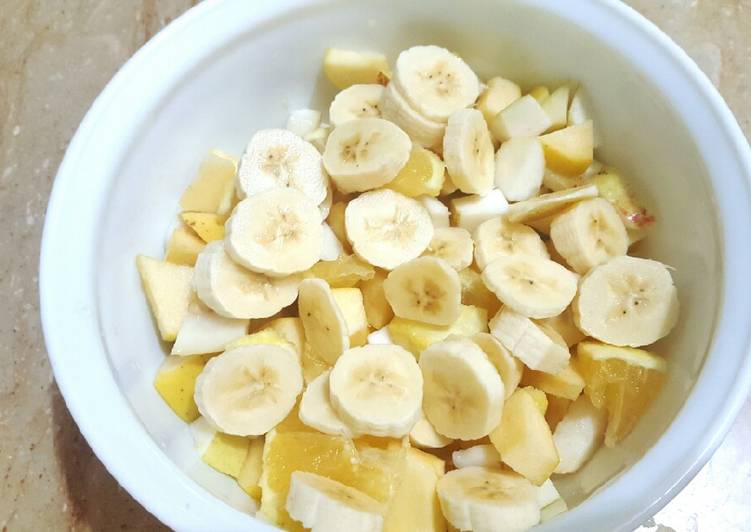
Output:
x=203 y=331
x=346 y=67
x=351 y=304
x=176 y=380
x=523 y=118
x=439 y=213
x=578 y=435
x=168 y=288
x=214 y=188
x=556 y=107
x=477 y=456
x=519 y=168
x=470 y=211
x=499 y=94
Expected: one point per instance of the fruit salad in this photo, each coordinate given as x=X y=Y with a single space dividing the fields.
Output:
x=418 y=314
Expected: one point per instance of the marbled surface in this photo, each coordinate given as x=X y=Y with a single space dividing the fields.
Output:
x=55 y=56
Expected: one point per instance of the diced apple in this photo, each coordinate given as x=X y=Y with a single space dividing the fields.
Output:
x=208 y=226
x=557 y=408
x=227 y=453
x=203 y=331
x=303 y=122
x=556 y=107
x=540 y=93
x=350 y=302
x=523 y=118
x=569 y=151
x=290 y=328
x=478 y=456
x=564 y=324
x=213 y=190
x=266 y=336
x=539 y=397
x=567 y=383
x=344 y=68
x=416 y=336
x=439 y=213
x=176 y=380
x=377 y=308
x=168 y=287
x=499 y=94
x=184 y=246
x=380 y=337
x=578 y=435
x=612 y=187
x=547 y=494
x=552 y=510
x=250 y=472
x=470 y=211
x=475 y=293
x=332 y=247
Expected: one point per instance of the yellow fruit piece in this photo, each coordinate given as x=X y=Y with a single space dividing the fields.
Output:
x=377 y=308
x=208 y=226
x=168 y=287
x=213 y=189
x=250 y=472
x=344 y=272
x=563 y=323
x=416 y=336
x=176 y=380
x=569 y=151
x=622 y=380
x=351 y=304
x=635 y=217
x=448 y=187
x=312 y=364
x=474 y=292
x=415 y=505
x=523 y=438
x=227 y=453
x=423 y=174
x=346 y=67
x=264 y=336
x=336 y=222
x=539 y=397
x=290 y=329
x=183 y=247
x=540 y=93
x=568 y=383
x=557 y=408
x=499 y=94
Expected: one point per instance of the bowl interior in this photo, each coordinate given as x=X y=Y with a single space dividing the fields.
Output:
x=254 y=78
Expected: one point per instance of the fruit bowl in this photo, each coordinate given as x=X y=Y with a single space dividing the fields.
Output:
x=227 y=68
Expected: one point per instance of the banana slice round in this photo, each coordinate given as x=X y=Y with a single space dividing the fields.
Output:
x=386 y=228
x=548 y=204
x=325 y=505
x=487 y=500
x=316 y=410
x=356 y=101
x=435 y=82
x=365 y=153
x=277 y=158
x=588 y=234
x=498 y=237
x=377 y=390
x=235 y=292
x=468 y=152
x=423 y=435
x=325 y=327
x=509 y=367
x=425 y=132
x=532 y=286
x=452 y=244
x=248 y=390
x=426 y=289
x=463 y=392
x=627 y=301
x=519 y=168
x=277 y=232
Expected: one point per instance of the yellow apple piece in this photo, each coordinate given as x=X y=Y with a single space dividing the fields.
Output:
x=168 y=287
x=540 y=93
x=184 y=246
x=556 y=107
x=567 y=383
x=344 y=272
x=267 y=336
x=250 y=472
x=351 y=304
x=335 y=220
x=290 y=329
x=207 y=225
x=176 y=380
x=539 y=397
x=569 y=151
x=523 y=118
x=344 y=68
x=499 y=94
x=474 y=292
x=557 y=408
x=227 y=453
x=416 y=336
x=213 y=189
x=377 y=308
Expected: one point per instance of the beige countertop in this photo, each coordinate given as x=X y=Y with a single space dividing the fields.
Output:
x=55 y=57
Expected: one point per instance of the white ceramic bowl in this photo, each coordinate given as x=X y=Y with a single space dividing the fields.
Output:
x=227 y=68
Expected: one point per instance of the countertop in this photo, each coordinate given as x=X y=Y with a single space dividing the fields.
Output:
x=55 y=57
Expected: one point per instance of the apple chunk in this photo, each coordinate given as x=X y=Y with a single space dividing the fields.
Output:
x=569 y=151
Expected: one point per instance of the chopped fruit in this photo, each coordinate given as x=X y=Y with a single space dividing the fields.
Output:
x=207 y=225
x=567 y=383
x=335 y=220
x=264 y=336
x=312 y=364
x=290 y=328
x=468 y=212
x=344 y=272
x=213 y=190
x=350 y=302
x=523 y=118
x=377 y=308
x=578 y=435
x=474 y=292
x=612 y=187
x=227 y=453
x=557 y=408
x=250 y=472
x=569 y=151
x=168 y=288
x=563 y=323
x=622 y=380
x=540 y=93
x=539 y=397
x=499 y=94
x=203 y=331
x=556 y=107
x=183 y=247
x=344 y=68
x=176 y=381
x=422 y=175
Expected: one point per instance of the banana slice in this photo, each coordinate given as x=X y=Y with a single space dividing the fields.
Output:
x=463 y=391
x=498 y=237
x=519 y=168
x=234 y=292
x=468 y=152
x=277 y=158
x=470 y=211
x=627 y=301
x=539 y=347
x=377 y=390
x=316 y=410
x=488 y=500
x=477 y=456
x=277 y=232
x=588 y=234
x=548 y=204
x=425 y=132
x=509 y=368
x=438 y=212
x=426 y=289
x=248 y=390
x=325 y=505
x=365 y=153
x=356 y=101
x=452 y=244
x=386 y=228
x=325 y=327
x=435 y=82
x=532 y=286
x=425 y=436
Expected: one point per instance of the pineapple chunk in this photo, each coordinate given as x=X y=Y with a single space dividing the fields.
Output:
x=168 y=287
x=350 y=302
x=290 y=329
x=474 y=292
x=524 y=440
x=540 y=93
x=422 y=175
x=416 y=336
x=569 y=151
x=227 y=453
x=176 y=380
x=183 y=247
x=250 y=472
x=377 y=308
x=344 y=272
x=346 y=67
x=499 y=94
x=567 y=383
x=207 y=225
x=213 y=190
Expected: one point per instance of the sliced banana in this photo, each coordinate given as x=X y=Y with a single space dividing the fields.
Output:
x=509 y=367
x=423 y=435
x=488 y=500
x=377 y=390
x=325 y=327
x=316 y=410
x=498 y=237
x=386 y=228
x=325 y=505
x=248 y=390
x=548 y=204
x=533 y=286
x=425 y=289
x=452 y=244
x=468 y=152
x=235 y=292
x=356 y=101
x=435 y=82
x=438 y=212
x=477 y=456
x=519 y=168
x=588 y=234
x=425 y=132
x=277 y=158
x=540 y=348
x=627 y=301
x=277 y=232
x=463 y=392
x=365 y=153
x=470 y=211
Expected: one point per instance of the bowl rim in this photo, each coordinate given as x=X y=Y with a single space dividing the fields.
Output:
x=70 y=322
